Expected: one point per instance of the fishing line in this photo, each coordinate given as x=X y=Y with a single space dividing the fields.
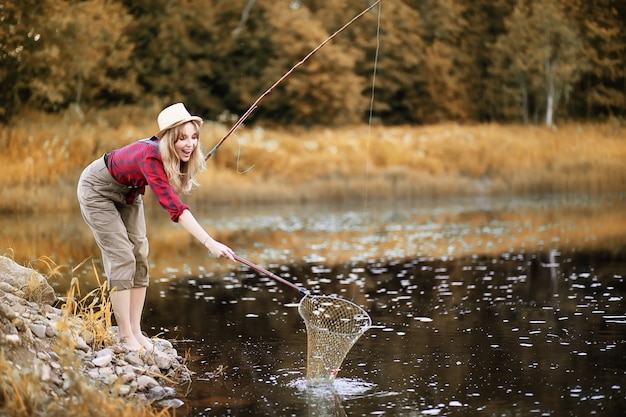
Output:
x=245 y=171
x=371 y=110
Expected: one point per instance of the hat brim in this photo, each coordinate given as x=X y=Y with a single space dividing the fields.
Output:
x=160 y=133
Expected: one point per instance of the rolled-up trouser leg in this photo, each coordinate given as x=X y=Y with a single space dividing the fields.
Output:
x=119 y=229
x=134 y=219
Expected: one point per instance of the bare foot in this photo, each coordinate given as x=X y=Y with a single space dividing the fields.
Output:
x=146 y=343
x=131 y=344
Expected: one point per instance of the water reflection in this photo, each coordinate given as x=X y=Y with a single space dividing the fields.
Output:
x=480 y=307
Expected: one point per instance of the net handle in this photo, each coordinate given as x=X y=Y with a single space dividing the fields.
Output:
x=271 y=275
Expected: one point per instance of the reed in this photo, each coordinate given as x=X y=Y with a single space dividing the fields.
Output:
x=92 y=313
x=43 y=156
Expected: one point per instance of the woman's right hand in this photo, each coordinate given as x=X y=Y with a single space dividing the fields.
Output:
x=219 y=249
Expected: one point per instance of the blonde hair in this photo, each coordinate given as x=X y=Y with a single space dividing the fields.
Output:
x=181 y=175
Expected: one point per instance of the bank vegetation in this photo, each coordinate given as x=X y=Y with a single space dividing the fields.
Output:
x=44 y=154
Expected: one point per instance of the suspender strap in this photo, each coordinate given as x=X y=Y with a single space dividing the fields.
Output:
x=151 y=141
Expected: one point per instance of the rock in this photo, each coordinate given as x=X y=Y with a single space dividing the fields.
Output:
x=105 y=352
x=172 y=403
x=6 y=311
x=49 y=331
x=19 y=324
x=12 y=338
x=104 y=360
x=34 y=286
x=169 y=391
x=163 y=345
x=106 y=372
x=124 y=390
x=44 y=372
x=6 y=287
x=38 y=330
x=94 y=373
x=109 y=379
x=81 y=344
x=156 y=393
x=88 y=337
x=133 y=359
x=126 y=377
x=124 y=369
x=162 y=360
x=51 y=311
x=145 y=382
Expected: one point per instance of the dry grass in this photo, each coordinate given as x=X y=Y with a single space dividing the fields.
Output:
x=43 y=155
x=93 y=312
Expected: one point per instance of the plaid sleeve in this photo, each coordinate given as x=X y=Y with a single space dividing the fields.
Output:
x=152 y=168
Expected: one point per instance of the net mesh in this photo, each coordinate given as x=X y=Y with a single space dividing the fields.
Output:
x=333 y=325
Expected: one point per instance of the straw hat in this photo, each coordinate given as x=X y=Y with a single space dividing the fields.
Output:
x=174 y=115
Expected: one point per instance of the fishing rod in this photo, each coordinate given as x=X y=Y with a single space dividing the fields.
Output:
x=271 y=275
x=302 y=61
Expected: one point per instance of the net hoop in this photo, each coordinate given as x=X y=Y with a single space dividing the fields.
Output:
x=320 y=299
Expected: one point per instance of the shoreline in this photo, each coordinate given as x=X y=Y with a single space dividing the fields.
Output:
x=58 y=361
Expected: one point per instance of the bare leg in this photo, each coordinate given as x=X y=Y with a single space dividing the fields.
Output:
x=137 y=300
x=121 y=302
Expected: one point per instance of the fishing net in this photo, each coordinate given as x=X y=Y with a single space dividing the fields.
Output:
x=333 y=325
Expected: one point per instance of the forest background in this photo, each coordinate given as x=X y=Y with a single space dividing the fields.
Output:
x=466 y=99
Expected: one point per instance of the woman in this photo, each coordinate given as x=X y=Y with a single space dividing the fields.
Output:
x=110 y=193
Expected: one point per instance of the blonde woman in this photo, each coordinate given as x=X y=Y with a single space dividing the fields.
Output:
x=110 y=193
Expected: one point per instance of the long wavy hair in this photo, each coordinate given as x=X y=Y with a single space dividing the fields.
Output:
x=181 y=175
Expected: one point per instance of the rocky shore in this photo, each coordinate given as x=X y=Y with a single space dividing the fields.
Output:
x=39 y=339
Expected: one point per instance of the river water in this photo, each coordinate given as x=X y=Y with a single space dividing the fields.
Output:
x=480 y=307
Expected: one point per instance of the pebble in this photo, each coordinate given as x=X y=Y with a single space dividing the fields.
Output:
x=38 y=330
x=104 y=360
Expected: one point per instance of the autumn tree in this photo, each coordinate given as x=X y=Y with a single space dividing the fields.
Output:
x=485 y=23
x=538 y=60
x=20 y=22
x=448 y=62
x=392 y=49
x=359 y=40
x=324 y=90
x=602 y=89
x=82 y=55
x=174 y=52
x=428 y=60
x=221 y=56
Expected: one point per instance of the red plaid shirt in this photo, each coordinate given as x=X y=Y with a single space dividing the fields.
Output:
x=139 y=164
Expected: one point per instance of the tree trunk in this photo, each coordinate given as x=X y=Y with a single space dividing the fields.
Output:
x=524 y=97
x=549 y=94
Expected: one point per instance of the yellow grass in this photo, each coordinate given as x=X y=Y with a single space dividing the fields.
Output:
x=43 y=156
x=93 y=311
